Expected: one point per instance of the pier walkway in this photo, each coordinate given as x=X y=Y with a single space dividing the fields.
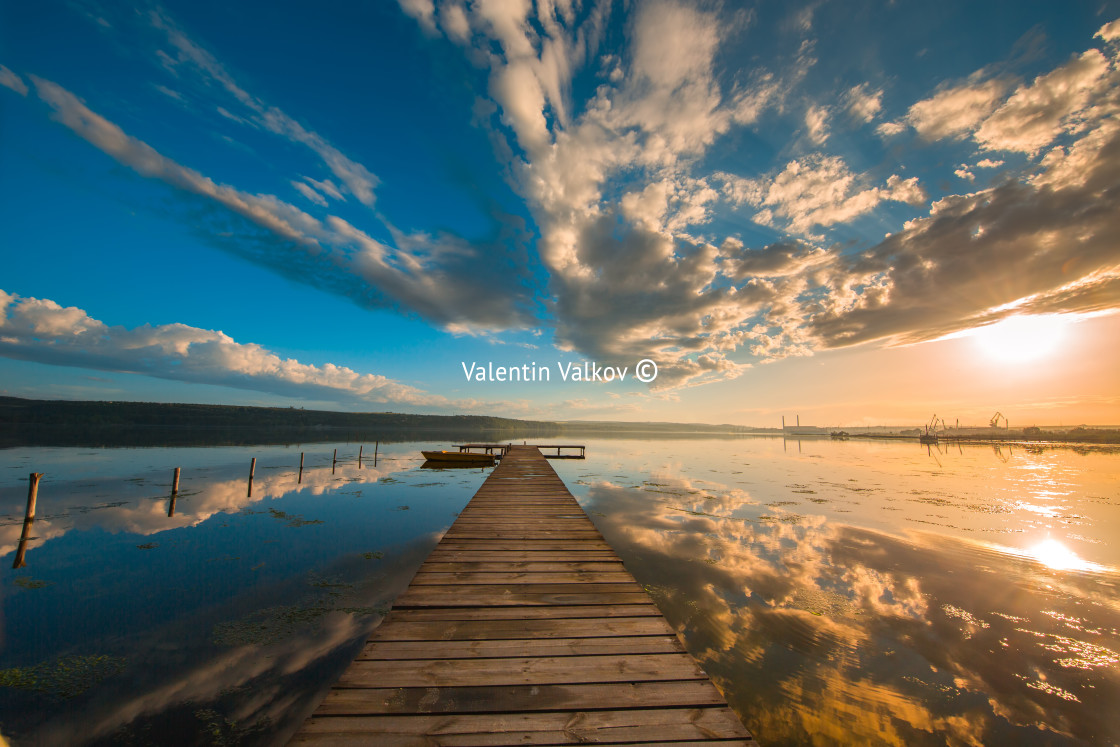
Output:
x=523 y=627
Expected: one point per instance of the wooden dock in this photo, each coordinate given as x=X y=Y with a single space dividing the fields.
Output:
x=523 y=627
x=500 y=449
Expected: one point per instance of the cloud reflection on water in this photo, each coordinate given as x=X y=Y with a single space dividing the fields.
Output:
x=825 y=632
x=131 y=507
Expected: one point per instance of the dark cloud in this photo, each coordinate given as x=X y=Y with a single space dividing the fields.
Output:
x=1016 y=248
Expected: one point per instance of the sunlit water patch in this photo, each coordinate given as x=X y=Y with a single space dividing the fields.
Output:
x=880 y=592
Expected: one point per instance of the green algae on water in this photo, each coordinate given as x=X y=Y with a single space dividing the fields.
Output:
x=26 y=582
x=65 y=677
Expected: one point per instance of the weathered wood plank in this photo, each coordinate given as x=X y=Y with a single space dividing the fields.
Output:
x=524 y=566
x=496 y=543
x=516 y=556
x=644 y=609
x=521 y=577
x=470 y=630
x=513 y=698
x=519 y=647
x=541 y=728
x=505 y=597
x=522 y=670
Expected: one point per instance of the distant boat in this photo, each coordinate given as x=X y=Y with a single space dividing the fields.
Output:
x=840 y=435
x=927 y=438
x=459 y=457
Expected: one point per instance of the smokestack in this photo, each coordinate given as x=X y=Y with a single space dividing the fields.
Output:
x=783 y=422
x=798 y=421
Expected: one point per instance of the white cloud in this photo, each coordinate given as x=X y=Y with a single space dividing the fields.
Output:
x=816 y=122
x=306 y=190
x=890 y=129
x=326 y=187
x=988 y=163
x=954 y=112
x=42 y=330
x=817 y=191
x=518 y=92
x=8 y=79
x=863 y=103
x=454 y=22
x=1110 y=31
x=1038 y=113
x=422 y=10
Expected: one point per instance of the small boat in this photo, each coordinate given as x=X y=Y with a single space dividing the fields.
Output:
x=459 y=457
x=840 y=435
x=927 y=438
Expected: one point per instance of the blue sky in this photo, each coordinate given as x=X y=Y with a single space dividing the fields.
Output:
x=826 y=208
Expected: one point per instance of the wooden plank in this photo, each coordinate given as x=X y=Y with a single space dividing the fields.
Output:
x=496 y=543
x=351 y=702
x=644 y=609
x=470 y=630
x=440 y=555
x=526 y=670
x=524 y=566
x=539 y=728
x=454 y=597
x=520 y=647
x=521 y=577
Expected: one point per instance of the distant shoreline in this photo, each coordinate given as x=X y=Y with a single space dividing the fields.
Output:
x=65 y=422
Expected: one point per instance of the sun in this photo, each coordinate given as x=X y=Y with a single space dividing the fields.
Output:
x=1021 y=339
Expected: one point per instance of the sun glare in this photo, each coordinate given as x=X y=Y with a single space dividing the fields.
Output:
x=1019 y=339
x=1054 y=554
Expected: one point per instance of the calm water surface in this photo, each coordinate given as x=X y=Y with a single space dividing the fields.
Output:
x=838 y=592
x=862 y=592
x=222 y=624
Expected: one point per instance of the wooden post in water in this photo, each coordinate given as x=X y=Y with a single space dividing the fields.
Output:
x=28 y=518
x=174 y=494
x=375 y=445
x=252 y=471
x=334 y=460
x=300 y=480
x=360 y=455
x=32 y=494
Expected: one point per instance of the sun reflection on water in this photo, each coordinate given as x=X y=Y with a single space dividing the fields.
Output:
x=1053 y=554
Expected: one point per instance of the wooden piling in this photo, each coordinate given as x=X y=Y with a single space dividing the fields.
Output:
x=375 y=445
x=334 y=460
x=360 y=455
x=28 y=518
x=175 y=482
x=300 y=480
x=32 y=495
x=252 y=471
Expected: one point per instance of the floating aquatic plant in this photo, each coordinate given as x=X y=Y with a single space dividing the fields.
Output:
x=293 y=519
x=26 y=582
x=65 y=677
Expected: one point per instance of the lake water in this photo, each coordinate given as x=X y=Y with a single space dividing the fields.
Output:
x=838 y=592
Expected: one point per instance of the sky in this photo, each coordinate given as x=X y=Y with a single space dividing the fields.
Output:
x=856 y=213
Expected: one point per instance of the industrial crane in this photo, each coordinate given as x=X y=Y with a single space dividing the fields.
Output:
x=994 y=422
